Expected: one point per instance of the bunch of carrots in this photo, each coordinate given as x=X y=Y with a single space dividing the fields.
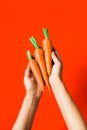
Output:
x=41 y=64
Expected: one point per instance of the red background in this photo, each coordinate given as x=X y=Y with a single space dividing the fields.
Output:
x=67 y=24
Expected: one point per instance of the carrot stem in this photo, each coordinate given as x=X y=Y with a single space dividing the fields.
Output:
x=34 y=42
x=29 y=55
x=45 y=31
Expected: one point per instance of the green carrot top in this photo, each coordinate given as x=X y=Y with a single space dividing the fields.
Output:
x=45 y=31
x=29 y=55
x=34 y=42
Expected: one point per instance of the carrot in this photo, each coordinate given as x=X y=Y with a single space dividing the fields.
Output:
x=39 y=56
x=47 y=47
x=35 y=70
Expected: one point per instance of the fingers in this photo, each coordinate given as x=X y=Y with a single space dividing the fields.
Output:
x=28 y=72
x=54 y=57
x=57 y=54
x=32 y=78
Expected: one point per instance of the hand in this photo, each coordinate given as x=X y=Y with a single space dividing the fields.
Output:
x=56 y=69
x=30 y=83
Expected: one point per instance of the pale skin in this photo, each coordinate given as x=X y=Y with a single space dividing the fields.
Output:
x=71 y=114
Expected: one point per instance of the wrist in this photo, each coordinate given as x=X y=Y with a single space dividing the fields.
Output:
x=59 y=80
x=30 y=99
x=55 y=80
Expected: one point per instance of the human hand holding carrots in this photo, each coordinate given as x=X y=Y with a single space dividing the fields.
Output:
x=32 y=83
x=41 y=66
x=70 y=112
x=38 y=72
x=56 y=73
x=32 y=97
x=43 y=58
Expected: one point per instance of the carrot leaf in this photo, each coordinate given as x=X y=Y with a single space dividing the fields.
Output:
x=34 y=42
x=29 y=55
x=45 y=31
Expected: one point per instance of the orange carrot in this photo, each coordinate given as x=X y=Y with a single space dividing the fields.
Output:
x=39 y=56
x=35 y=70
x=47 y=47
